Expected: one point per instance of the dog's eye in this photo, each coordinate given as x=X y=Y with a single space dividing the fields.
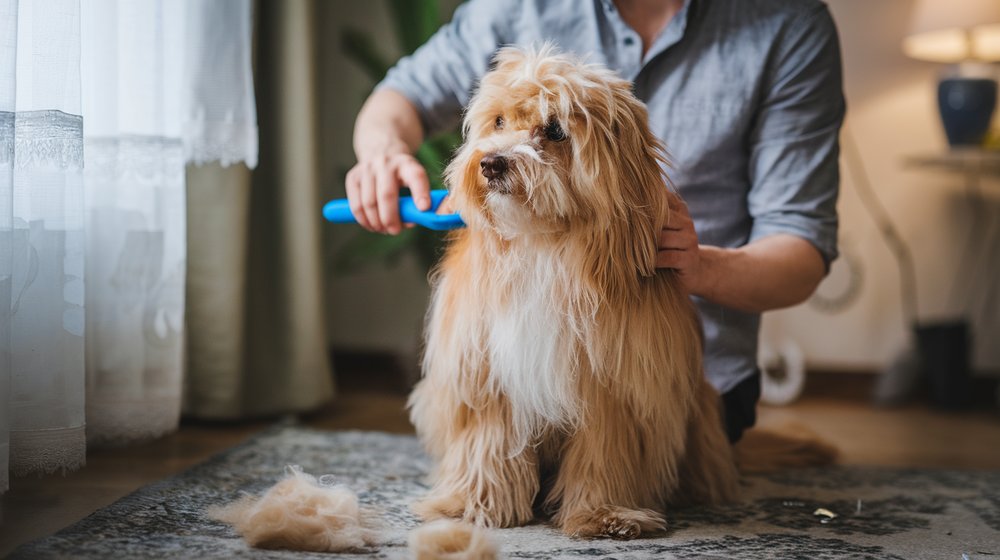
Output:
x=498 y=123
x=554 y=132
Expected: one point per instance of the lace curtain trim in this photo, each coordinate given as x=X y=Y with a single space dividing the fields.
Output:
x=135 y=160
x=47 y=451
x=228 y=142
x=120 y=422
x=55 y=138
x=41 y=139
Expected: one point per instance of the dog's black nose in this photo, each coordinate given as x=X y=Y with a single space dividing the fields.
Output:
x=493 y=166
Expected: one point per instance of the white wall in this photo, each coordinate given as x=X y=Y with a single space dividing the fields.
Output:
x=892 y=115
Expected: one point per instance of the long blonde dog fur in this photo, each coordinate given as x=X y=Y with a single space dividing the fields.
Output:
x=562 y=370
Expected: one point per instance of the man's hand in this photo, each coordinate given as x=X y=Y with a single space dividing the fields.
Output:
x=386 y=134
x=373 y=189
x=769 y=273
x=678 y=247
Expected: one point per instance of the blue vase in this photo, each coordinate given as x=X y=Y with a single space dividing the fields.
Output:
x=966 y=106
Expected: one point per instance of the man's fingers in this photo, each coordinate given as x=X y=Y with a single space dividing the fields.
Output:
x=679 y=220
x=668 y=259
x=415 y=177
x=681 y=240
x=352 y=186
x=369 y=200
x=677 y=210
x=358 y=200
x=675 y=201
x=387 y=196
x=373 y=191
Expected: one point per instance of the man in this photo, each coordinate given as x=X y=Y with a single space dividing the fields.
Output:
x=746 y=95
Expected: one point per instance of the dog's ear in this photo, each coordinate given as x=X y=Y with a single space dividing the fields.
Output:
x=623 y=159
x=630 y=159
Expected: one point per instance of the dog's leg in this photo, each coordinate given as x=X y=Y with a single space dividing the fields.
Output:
x=480 y=478
x=708 y=473
x=601 y=488
x=615 y=474
x=480 y=475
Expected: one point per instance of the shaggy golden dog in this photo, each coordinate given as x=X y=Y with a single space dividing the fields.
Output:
x=562 y=370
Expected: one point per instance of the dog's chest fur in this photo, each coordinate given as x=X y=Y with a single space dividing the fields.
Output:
x=530 y=341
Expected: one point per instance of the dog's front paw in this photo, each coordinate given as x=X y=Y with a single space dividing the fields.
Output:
x=614 y=522
x=439 y=507
x=488 y=514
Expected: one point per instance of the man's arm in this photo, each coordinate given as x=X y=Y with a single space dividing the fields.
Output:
x=777 y=271
x=386 y=134
x=794 y=178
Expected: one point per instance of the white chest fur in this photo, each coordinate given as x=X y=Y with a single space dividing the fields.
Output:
x=530 y=346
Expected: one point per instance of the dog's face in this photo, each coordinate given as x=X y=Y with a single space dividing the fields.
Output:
x=554 y=145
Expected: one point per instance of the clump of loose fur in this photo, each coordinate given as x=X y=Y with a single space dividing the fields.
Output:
x=300 y=513
x=451 y=540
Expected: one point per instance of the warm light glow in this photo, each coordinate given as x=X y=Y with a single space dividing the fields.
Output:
x=946 y=45
x=954 y=45
x=986 y=39
x=953 y=31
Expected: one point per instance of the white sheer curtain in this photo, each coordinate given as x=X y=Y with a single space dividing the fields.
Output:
x=129 y=91
x=41 y=236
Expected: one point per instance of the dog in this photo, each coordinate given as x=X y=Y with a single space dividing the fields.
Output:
x=562 y=371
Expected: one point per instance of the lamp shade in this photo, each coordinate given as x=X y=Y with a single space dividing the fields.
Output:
x=955 y=31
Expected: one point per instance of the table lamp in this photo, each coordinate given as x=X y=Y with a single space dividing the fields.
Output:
x=965 y=34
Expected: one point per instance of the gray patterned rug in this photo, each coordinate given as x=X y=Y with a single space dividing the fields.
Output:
x=904 y=513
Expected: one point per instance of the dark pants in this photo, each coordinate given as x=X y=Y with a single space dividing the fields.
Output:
x=739 y=407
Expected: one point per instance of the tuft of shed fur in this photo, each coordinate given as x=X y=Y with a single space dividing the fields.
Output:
x=451 y=540
x=299 y=513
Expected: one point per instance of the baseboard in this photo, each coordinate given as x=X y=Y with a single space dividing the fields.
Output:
x=367 y=370
x=859 y=386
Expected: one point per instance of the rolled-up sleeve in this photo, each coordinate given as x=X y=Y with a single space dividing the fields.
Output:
x=794 y=170
x=439 y=77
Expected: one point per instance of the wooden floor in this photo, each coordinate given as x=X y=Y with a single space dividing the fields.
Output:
x=914 y=436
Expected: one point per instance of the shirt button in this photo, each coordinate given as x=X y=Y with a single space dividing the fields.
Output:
x=629 y=41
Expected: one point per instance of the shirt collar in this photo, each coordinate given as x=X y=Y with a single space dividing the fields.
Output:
x=670 y=35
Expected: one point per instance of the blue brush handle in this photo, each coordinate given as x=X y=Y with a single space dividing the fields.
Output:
x=338 y=211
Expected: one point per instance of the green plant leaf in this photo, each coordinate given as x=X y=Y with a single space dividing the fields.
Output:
x=360 y=47
x=430 y=246
x=436 y=152
x=365 y=247
x=416 y=21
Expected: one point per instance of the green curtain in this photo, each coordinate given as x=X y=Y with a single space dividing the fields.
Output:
x=257 y=341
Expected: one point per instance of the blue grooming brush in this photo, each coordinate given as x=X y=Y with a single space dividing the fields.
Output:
x=338 y=211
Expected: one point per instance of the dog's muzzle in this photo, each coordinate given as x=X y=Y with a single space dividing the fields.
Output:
x=494 y=167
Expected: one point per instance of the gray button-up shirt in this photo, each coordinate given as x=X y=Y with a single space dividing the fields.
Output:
x=746 y=95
